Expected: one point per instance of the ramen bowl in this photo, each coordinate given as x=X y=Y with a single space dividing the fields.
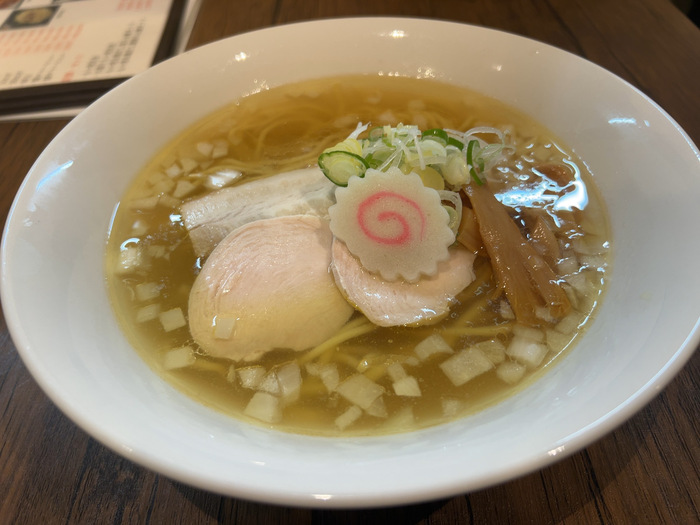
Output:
x=59 y=314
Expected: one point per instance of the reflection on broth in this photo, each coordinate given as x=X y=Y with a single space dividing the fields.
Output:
x=282 y=327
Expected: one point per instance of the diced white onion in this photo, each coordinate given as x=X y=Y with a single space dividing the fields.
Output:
x=527 y=332
x=164 y=186
x=130 y=259
x=466 y=365
x=139 y=228
x=568 y=266
x=147 y=291
x=493 y=349
x=183 y=188
x=571 y=295
x=330 y=376
x=506 y=311
x=348 y=417
x=578 y=282
x=173 y=170
x=433 y=344
x=407 y=386
x=589 y=245
x=147 y=313
x=222 y=178
x=569 y=324
x=377 y=408
x=556 y=340
x=157 y=250
x=510 y=372
x=411 y=361
x=396 y=371
x=223 y=327
x=155 y=177
x=360 y=390
x=205 y=148
x=526 y=351
x=172 y=319
x=188 y=164
x=270 y=384
x=451 y=407
x=178 y=358
x=169 y=202
x=593 y=261
x=265 y=407
x=231 y=375
x=327 y=372
x=542 y=312
x=289 y=379
x=313 y=369
x=220 y=149
x=251 y=376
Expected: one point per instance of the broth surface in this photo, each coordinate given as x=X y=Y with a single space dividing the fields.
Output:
x=151 y=265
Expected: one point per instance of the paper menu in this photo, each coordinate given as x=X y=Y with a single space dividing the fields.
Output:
x=64 y=53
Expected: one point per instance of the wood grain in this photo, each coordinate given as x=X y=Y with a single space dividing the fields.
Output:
x=646 y=471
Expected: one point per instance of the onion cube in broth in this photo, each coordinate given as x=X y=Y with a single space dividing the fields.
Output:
x=433 y=344
x=289 y=380
x=172 y=319
x=147 y=291
x=377 y=408
x=327 y=372
x=223 y=327
x=265 y=407
x=493 y=349
x=147 y=313
x=526 y=351
x=179 y=358
x=407 y=386
x=348 y=417
x=360 y=390
x=130 y=259
x=510 y=372
x=270 y=383
x=465 y=365
x=396 y=371
x=251 y=376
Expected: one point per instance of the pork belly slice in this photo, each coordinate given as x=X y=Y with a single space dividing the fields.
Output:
x=267 y=285
x=210 y=218
x=398 y=303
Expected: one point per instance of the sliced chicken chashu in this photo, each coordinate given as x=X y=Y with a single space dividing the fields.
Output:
x=399 y=302
x=210 y=218
x=267 y=285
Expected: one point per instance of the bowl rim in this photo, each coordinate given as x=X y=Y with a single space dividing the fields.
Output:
x=418 y=492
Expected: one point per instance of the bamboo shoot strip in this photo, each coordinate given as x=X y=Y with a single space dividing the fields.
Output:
x=527 y=280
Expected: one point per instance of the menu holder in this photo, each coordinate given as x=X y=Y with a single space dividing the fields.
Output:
x=66 y=54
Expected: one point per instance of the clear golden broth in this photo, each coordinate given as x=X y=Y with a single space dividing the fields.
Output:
x=286 y=128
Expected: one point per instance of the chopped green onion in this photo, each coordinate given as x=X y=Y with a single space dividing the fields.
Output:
x=409 y=149
x=454 y=218
x=339 y=166
x=376 y=134
x=451 y=141
x=437 y=133
x=470 y=162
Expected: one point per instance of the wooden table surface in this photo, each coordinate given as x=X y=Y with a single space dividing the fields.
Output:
x=644 y=472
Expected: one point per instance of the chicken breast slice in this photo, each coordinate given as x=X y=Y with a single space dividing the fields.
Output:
x=400 y=303
x=267 y=285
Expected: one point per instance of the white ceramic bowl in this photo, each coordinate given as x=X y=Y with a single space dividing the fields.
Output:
x=55 y=303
